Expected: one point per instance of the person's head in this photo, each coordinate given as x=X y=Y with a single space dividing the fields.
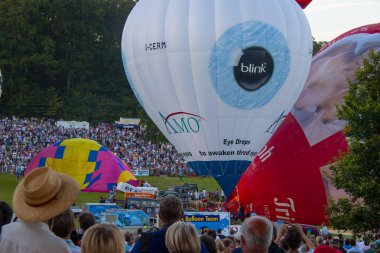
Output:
x=170 y=210
x=5 y=214
x=86 y=220
x=209 y=243
x=219 y=231
x=220 y=248
x=335 y=243
x=102 y=238
x=211 y=233
x=256 y=234
x=129 y=238
x=372 y=245
x=43 y=194
x=353 y=242
x=182 y=237
x=62 y=224
x=366 y=240
x=293 y=238
x=229 y=245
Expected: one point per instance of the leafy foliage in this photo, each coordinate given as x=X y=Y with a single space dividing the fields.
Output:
x=358 y=172
x=317 y=45
x=61 y=59
x=151 y=131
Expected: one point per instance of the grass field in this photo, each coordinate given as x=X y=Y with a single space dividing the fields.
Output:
x=8 y=184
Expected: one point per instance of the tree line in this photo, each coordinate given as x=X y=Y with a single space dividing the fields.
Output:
x=61 y=59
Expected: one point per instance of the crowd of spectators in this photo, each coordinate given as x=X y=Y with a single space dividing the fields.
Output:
x=45 y=224
x=22 y=139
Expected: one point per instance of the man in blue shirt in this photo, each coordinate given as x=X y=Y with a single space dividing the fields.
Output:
x=170 y=211
x=325 y=230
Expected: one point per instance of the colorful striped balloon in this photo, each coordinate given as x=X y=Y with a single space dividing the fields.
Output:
x=94 y=167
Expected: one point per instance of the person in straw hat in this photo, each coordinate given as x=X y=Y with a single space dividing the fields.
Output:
x=41 y=195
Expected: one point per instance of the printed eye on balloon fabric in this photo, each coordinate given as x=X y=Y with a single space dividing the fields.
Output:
x=249 y=64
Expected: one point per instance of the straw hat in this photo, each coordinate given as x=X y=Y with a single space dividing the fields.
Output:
x=43 y=194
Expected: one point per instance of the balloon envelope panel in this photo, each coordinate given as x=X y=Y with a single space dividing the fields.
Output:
x=304 y=3
x=95 y=168
x=215 y=76
x=288 y=180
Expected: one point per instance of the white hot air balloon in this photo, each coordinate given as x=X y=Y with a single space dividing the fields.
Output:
x=217 y=76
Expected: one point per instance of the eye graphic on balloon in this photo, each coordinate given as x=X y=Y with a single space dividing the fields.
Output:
x=248 y=71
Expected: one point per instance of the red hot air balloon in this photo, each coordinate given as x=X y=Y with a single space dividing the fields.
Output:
x=287 y=179
x=304 y=3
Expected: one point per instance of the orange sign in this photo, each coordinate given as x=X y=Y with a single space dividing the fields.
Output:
x=144 y=195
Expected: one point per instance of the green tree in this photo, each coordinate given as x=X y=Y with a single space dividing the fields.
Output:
x=151 y=131
x=317 y=45
x=54 y=103
x=62 y=59
x=358 y=172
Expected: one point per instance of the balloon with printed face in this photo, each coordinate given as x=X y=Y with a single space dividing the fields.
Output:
x=215 y=76
x=288 y=180
x=94 y=167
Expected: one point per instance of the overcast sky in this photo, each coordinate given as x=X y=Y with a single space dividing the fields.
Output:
x=330 y=18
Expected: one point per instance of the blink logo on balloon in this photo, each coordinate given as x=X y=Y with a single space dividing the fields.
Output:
x=254 y=69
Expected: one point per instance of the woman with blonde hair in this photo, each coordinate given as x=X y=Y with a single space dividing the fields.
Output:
x=103 y=238
x=182 y=238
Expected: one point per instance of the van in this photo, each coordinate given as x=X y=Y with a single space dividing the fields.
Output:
x=141 y=203
x=153 y=190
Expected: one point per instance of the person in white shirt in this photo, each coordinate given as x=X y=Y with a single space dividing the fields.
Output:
x=40 y=196
x=204 y=193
